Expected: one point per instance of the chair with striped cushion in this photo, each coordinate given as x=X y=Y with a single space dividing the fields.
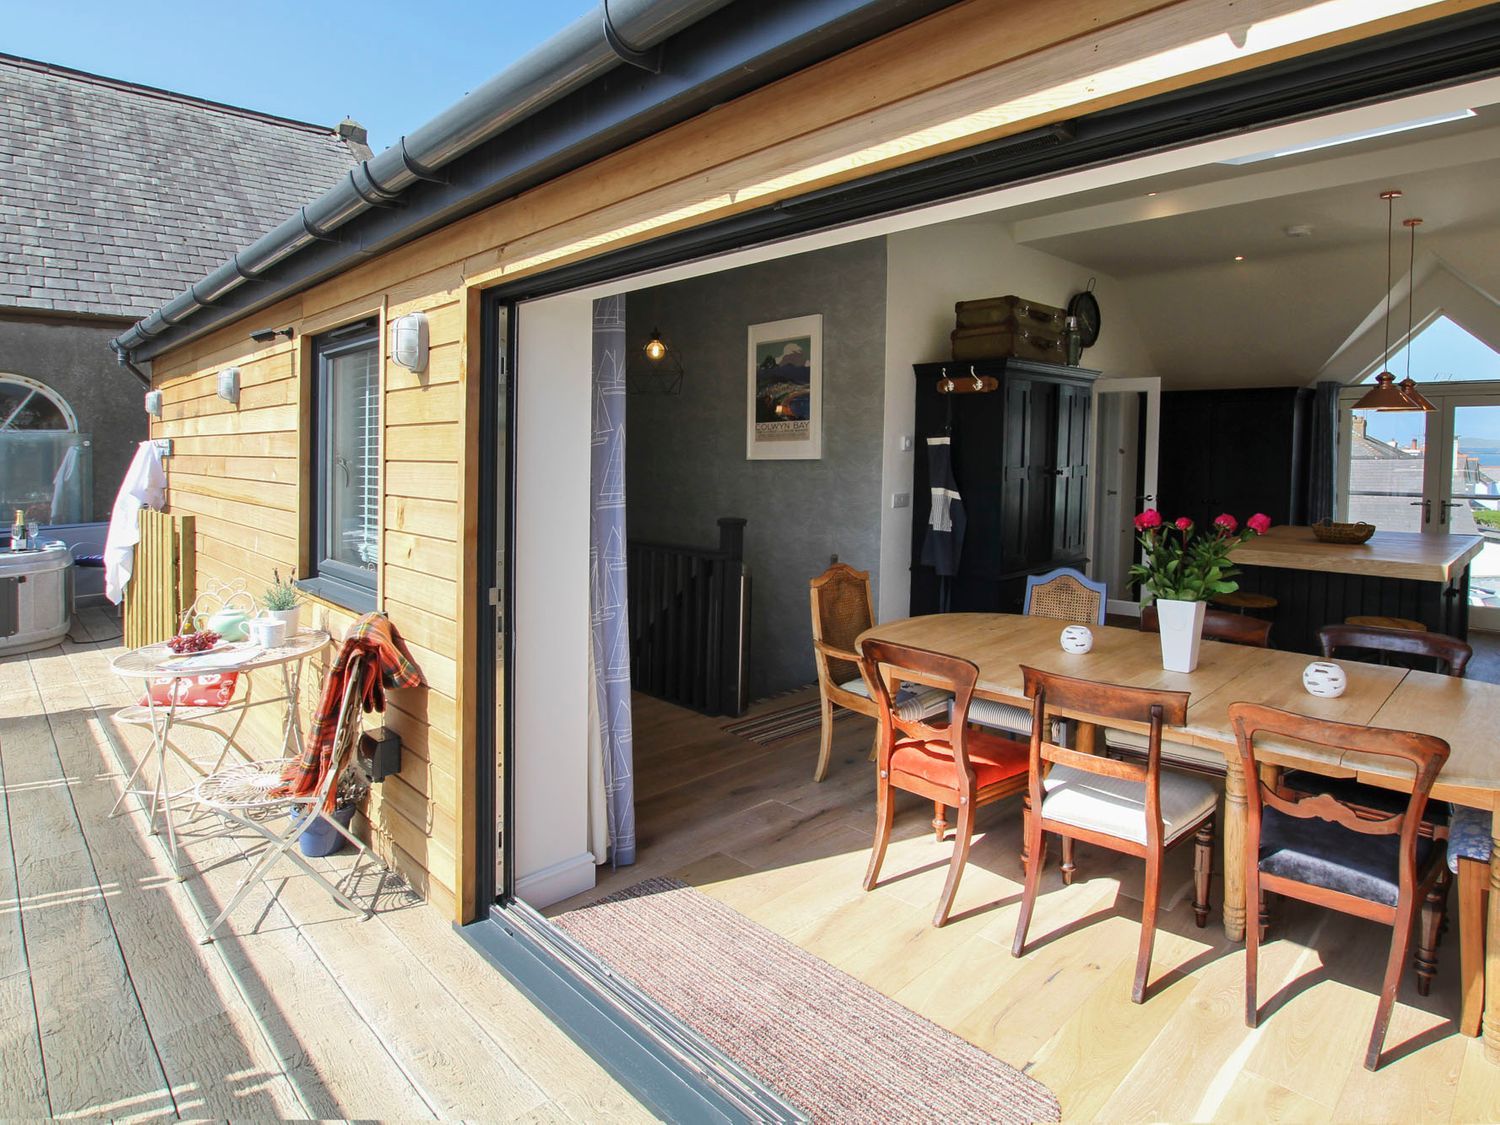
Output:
x=951 y=763
x=841 y=610
x=1065 y=595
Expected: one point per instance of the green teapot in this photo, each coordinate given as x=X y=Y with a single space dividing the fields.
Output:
x=231 y=624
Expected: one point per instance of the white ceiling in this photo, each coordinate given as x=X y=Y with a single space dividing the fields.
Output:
x=1283 y=314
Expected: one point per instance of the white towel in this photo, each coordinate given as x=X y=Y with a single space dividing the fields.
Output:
x=144 y=486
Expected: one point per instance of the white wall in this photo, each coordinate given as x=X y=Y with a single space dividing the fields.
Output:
x=927 y=271
x=551 y=627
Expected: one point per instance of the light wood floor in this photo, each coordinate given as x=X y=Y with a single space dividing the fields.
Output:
x=109 y=1007
x=747 y=825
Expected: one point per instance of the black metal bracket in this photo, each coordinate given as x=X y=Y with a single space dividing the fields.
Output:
x=419 y=170
x=649 y=60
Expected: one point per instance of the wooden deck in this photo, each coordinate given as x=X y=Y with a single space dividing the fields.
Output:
x=746 y=824
x=110 y=1007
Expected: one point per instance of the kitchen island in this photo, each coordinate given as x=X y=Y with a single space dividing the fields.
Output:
x=1396 y=574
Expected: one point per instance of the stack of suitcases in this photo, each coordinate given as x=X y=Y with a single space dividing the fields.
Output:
x=1001 y=327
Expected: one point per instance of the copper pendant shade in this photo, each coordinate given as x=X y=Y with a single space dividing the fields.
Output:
x=1387 y=395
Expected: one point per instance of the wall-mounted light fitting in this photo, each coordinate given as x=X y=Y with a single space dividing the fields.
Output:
x=409 y=341
x=153 y=403
x=267 y=335
x=229 y=385
x=656 y=347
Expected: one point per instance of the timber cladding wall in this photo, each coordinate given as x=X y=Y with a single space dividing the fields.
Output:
x=973 y=72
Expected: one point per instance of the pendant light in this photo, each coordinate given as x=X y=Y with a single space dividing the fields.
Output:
x=1409 y=385
x=1385 y=395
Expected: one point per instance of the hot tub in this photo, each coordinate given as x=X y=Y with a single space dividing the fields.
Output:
x=35 y=597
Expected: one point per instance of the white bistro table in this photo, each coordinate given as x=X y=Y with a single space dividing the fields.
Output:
x=157 y=663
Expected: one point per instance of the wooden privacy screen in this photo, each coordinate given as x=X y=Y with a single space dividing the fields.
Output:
x=163 y=581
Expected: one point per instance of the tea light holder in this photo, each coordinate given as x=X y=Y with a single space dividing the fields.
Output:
x=1324 y=679
x=1077 y=639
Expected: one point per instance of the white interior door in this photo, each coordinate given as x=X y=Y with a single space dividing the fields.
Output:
x=1127 y=429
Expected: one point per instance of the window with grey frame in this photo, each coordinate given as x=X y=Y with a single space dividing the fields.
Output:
x=345 y=522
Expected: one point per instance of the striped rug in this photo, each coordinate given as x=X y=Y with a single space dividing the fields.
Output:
x=827 y=1043
x=783 y=722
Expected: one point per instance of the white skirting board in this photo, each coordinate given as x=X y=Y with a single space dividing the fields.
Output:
x=553 y=884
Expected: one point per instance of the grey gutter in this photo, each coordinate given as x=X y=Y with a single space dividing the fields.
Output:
x=569 y=102
x=621 y=31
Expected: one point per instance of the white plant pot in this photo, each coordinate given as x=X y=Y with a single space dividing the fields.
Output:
x=292 y=618
x=1181 y=625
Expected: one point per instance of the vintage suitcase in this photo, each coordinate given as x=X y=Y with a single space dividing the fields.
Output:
x=997 y=342
x=1010 y=311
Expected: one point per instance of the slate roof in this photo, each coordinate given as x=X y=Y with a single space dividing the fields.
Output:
x=116 y=197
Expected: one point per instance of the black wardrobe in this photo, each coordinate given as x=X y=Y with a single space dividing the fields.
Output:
x=1021 y=457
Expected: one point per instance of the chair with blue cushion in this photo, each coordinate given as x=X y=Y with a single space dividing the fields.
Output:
x=841 y=610
x=1064 y=595
x=1469 y=860
x=1319 y=849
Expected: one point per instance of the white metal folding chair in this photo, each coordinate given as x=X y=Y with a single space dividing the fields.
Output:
x=241 y=795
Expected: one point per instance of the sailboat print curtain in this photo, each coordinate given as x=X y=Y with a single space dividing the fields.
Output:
x=607 y=562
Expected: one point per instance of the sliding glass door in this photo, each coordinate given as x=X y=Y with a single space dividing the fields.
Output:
x=1436 y=473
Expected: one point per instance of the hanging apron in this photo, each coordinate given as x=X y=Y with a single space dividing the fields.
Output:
x=944 y=543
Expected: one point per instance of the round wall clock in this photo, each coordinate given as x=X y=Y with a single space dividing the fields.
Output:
x=1085 y=306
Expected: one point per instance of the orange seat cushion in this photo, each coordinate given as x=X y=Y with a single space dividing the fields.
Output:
x=994 y=758
x=211 y=689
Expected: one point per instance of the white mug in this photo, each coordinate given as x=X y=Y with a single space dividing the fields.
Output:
x=268 y=632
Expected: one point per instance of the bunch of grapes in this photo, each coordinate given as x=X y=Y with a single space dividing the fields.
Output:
x=193 y=642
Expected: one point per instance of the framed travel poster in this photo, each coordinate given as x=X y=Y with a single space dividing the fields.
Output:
x=784 y=392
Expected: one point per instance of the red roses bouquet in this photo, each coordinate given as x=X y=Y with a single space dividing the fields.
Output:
x=1181 y=564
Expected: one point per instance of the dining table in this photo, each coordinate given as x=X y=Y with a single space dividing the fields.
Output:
x=1464 y=713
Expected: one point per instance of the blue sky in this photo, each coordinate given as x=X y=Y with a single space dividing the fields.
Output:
x=1443 y=352
x=390 y=66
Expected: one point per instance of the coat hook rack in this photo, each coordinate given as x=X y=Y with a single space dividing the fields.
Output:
x=974 y=385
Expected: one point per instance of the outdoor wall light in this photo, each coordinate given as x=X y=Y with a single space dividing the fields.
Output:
x=409 y=341
x=267 y=335
x=229 y=385
x=153 y=403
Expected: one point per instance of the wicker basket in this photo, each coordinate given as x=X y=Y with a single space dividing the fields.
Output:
x=1329 y=532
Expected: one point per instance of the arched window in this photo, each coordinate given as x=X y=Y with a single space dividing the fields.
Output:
x=26 y=404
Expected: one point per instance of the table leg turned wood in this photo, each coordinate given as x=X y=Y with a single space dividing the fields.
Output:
x=1492 y=950
x=1234 y=852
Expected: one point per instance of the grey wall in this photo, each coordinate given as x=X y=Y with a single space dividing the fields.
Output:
x=73 y=358
x=685 y=455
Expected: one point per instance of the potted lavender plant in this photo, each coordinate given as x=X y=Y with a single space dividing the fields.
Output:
x=283 y=601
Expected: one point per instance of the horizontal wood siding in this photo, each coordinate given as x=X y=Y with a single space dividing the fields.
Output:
x=973 y=72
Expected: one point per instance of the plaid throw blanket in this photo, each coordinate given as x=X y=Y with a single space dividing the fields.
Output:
x=385 y=665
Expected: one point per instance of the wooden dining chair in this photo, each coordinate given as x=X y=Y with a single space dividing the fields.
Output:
x=1065 y=594
x=1469 y=844
x=1316 y=848
x=952 y=764
x=841 y=610
x=1220 y=625
x=1449 y=654
x=1139 y=810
